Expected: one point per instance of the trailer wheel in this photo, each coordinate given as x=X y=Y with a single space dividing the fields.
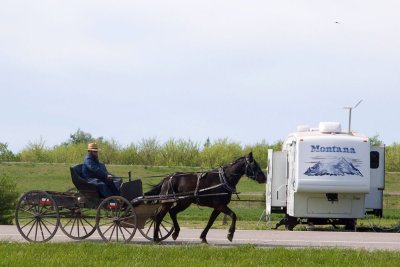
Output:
x=36 y=216
x=78 y=223
x=116 y=219
x=166 y=227
x=350 y=224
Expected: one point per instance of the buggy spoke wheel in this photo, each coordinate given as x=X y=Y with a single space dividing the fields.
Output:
x=166 y=227
x=78 y=223
x=37 y=216
x=116 y=219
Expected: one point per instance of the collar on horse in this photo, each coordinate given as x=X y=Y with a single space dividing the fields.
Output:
x=223 y=182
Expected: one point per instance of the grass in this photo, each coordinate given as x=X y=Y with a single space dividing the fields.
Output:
x=392 y=183
x=56 y=177
x=101 y=254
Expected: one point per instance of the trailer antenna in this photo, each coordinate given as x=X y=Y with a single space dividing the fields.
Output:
x=350 y=109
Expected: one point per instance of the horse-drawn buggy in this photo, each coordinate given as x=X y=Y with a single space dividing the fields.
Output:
x=39 y=214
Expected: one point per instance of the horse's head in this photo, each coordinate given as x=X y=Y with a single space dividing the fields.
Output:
x=253 y=170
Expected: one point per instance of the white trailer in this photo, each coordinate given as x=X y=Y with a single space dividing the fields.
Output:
x=325 y=176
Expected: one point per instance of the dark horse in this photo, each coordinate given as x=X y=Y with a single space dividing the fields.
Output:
x=216 y=186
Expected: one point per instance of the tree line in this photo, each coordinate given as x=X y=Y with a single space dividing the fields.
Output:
x=151 y=152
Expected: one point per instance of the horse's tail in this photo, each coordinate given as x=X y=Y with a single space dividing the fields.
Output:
x=155 y=189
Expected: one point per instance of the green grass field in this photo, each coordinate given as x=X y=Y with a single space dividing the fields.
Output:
x=56 y=177
x=100 y=254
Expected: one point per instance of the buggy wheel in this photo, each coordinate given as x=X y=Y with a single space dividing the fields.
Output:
x=166 y=227
x=116 y=219
x=78 y=223
x=36 y=216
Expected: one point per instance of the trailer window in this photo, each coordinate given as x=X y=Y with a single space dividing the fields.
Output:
x=374 y=164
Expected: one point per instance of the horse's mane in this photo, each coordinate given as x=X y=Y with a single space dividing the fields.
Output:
x=234 y=162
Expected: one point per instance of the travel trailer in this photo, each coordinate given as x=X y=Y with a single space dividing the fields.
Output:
x=325 y=176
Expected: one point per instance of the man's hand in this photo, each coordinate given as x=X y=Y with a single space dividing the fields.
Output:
x=109 y=176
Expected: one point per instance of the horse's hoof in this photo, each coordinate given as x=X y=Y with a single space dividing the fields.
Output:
x=204 y=241
x=175 y=235
x=230 y=237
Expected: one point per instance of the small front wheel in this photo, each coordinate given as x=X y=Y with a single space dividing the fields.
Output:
x=165 y=230
x=116 y=219
x=36 y=216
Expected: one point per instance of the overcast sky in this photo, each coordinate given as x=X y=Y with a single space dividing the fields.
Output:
x=246 y=70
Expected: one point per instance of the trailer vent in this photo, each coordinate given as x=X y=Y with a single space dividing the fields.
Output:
x=303 y=128
x=330 y=127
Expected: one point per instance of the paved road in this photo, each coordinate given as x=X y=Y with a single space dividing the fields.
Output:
x=261 y=238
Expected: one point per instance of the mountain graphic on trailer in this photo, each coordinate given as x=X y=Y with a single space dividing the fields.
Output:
x=340 y=167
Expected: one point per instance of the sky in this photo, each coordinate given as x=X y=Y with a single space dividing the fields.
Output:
x=244 y=70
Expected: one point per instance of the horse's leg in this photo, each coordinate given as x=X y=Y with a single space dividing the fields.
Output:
x=213 y=216
x=159 y=217
x=180 y=206
x=229 y=212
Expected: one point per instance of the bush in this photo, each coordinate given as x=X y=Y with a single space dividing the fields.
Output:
x=8 y=199
x=392 y=159
x=148 y=151
x=36 y=152
x=6 y=154
x=179 y=153
x=221 y=152
x=173 y=152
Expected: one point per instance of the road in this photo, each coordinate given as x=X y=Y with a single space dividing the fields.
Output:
x=261 y=238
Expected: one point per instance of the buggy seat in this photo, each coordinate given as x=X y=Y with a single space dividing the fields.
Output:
x=129 y=190
x=86 y=189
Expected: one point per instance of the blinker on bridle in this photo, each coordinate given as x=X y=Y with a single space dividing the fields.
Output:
x=249 y=167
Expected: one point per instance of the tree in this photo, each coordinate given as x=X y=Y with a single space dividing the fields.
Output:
x=80 y=137
x=5 y=153
x=375 y=140
x=207 y=144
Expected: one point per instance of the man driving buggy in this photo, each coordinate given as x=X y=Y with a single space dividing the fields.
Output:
x=96 y=173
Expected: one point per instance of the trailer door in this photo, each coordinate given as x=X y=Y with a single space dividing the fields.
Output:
x=276 y=180
x=374 y=200
x=269 y=184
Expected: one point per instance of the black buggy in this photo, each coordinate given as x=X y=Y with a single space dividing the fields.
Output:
x=80 y=212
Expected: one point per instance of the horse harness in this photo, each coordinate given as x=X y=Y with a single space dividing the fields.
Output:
x=223 y=182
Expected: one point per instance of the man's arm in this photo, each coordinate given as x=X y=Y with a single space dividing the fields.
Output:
x=94 y=167
x=103 y=168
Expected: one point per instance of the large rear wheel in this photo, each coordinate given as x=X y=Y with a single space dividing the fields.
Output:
x=36 y=216
x=116 y=219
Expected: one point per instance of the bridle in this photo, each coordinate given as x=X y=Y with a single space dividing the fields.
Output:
x=250 y=166
x=250 y=172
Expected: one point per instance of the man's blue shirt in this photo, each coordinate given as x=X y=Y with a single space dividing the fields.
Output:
x=92 y=168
